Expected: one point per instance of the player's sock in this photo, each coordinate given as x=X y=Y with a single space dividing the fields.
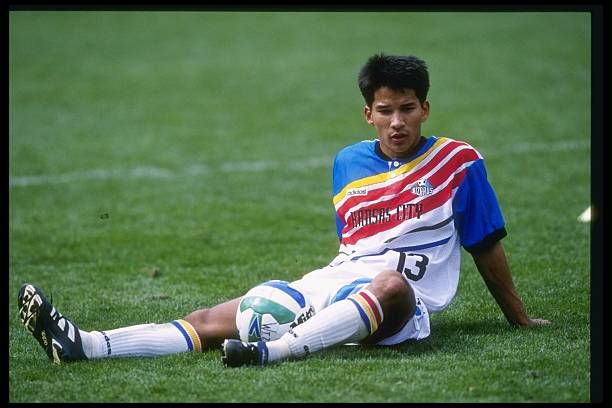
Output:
x=345 y=321
x=146 y=340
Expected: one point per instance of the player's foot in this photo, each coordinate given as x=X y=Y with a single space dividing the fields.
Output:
x=58 y=336
x=238 y=353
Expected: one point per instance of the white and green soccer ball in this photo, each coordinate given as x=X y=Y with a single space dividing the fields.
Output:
x=270 y=309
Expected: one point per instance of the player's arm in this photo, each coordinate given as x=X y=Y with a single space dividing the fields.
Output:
x=493 y=266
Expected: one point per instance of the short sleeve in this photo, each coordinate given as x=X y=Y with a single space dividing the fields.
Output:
x=478 y=217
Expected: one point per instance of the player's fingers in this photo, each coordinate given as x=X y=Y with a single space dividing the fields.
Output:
x=540 y=322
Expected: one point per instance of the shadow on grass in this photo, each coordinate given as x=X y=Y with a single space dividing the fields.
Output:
x=446 y=337
x=449 y=328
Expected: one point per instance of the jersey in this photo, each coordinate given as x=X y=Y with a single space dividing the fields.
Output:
x=414 y=214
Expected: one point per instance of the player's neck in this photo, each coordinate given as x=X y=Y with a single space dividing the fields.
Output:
x=404 y=156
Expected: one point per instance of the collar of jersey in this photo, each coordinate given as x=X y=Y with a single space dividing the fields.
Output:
x=406 y=165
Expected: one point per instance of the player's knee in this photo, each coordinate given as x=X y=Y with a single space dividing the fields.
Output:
x=394 y=294
x=392 y=287
x=198 y=319
x=203 y=323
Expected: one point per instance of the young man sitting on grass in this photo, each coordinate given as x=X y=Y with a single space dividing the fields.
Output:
x=405 y=205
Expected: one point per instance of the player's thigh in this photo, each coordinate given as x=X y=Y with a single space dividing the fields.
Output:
x=331 y=284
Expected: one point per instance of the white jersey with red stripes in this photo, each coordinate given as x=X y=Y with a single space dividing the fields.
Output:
x=414 y=214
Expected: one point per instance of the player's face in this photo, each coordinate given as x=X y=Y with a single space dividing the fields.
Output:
x=397 y=116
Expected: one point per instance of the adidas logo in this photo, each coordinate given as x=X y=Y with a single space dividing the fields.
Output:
x=357 y=192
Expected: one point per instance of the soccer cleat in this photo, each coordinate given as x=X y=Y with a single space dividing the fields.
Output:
x=58 y=336
x=238 y=353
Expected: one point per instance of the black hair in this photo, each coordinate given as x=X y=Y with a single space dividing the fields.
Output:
x=395 y=72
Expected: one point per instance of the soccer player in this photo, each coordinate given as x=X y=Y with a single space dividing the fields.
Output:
x=405 y=205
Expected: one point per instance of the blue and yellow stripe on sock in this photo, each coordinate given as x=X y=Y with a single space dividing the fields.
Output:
x=191 y=337
x=369 y=309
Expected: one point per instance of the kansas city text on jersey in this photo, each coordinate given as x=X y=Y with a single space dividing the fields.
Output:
x=381 y=215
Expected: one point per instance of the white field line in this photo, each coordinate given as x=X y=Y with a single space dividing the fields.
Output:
x=200 y=169
x=528 y=147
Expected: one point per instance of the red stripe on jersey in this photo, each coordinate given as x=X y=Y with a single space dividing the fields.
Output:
x=428 y=204
x=395 y=188
x=398 y=186
x=439 y=177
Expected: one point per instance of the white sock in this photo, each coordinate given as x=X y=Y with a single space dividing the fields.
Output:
x=345 y=321
x=146 y=340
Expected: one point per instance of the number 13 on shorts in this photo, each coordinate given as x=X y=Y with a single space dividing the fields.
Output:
x=413 y=266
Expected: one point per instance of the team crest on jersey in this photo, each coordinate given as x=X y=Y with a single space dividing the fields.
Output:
x=357 y=192
x=422 y=188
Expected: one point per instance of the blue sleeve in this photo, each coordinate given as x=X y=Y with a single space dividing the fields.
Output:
x=478 y=217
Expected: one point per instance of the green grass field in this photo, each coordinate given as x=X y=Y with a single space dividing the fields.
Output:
x=199 y=144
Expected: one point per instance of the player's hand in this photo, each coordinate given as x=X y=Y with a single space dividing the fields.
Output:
x=534 y=322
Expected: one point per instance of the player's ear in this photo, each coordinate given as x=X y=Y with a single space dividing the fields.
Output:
x=425 y=108
x=367 y=112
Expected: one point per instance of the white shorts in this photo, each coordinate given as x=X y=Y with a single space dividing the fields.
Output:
x=335 y=282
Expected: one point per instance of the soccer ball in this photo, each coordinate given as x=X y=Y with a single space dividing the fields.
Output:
x=270 y=309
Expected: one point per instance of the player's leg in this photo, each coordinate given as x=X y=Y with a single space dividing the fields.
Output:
x=64 y=341
x=215 y=324
x=201 y=330
x=375 y=312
